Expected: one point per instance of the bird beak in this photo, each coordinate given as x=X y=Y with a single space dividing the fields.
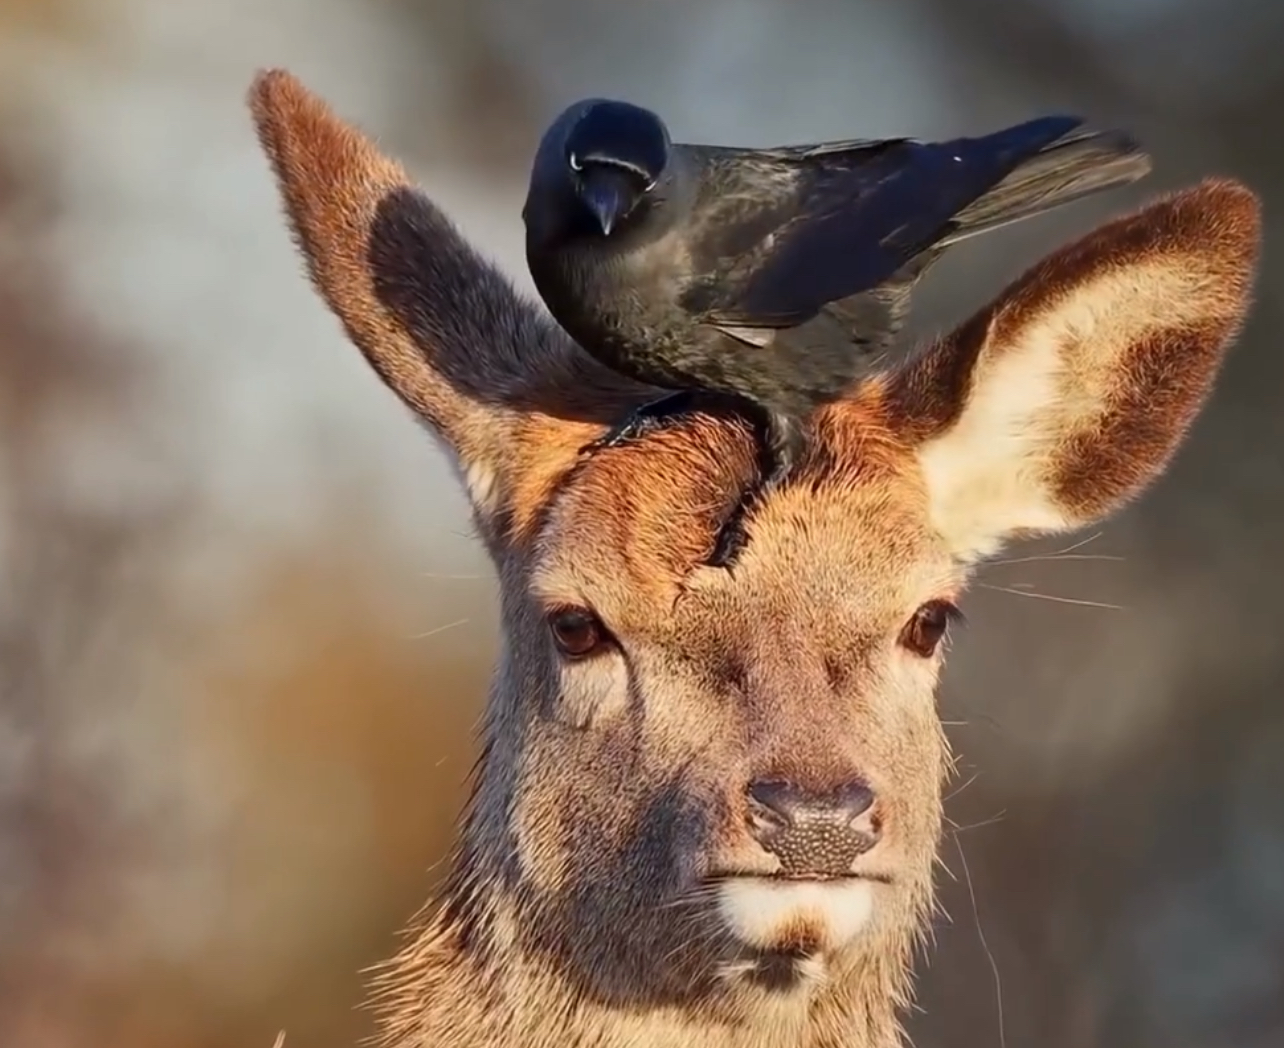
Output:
x=610 y=195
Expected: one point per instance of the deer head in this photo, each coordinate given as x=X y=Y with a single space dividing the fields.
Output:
x=708 y=803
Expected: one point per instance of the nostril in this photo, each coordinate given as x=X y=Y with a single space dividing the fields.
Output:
x=774 y=798
x=784 y=801
x=855 y=799
x=778 y=805
x=770 y=810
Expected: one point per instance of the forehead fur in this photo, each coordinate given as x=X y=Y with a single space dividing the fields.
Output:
x=631 y=526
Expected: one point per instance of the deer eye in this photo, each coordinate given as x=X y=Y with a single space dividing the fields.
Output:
x=928 y=626
x=577 y=632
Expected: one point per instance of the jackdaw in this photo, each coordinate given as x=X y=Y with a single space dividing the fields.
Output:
x=770 y=280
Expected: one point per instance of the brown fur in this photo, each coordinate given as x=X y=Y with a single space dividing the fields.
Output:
x=575 y=912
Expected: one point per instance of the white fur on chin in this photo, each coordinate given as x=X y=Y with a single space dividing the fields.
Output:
x=760 y=911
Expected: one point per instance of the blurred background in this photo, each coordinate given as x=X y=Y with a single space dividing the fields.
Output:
x=244 y=630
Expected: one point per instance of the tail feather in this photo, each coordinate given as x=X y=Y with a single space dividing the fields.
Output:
x=1076 y=166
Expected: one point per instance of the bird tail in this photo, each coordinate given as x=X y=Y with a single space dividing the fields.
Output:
x=1075 y=166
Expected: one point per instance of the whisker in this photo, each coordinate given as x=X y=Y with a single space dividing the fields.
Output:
x=1065 y=553
x=999 y=817
x=683 y=903
x=733 y=970
x=1052 y=597
x=1081 y=542
x=975 y=719
x=702 y=893
x=1039 y=559
x=955 y=792
x=980 y=932
x=706 y=935
x=440 y=629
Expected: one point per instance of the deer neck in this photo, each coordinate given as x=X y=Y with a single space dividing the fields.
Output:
x=468 y=984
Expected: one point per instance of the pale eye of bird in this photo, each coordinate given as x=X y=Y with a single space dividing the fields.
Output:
x=574 y=161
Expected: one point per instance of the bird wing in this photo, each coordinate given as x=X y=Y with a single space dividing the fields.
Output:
x=853 y=219
x=866 y=324
x=734 y=158
x=849 y=146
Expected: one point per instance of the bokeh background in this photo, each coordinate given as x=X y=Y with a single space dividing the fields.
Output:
x=244 y=629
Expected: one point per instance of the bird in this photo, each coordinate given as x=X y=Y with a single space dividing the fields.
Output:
x=769 y=280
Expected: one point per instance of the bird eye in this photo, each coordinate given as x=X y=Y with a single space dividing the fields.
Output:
x=577 y=632
x=574 y=161
x=927 y=627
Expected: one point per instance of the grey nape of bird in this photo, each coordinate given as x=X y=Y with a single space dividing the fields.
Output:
x=769 y=281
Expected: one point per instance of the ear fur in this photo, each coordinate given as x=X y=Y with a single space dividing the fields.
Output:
x=1048 y=409
x=508 y=392
x=1070 y=392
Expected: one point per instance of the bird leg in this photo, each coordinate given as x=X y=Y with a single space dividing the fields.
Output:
x=781 y=443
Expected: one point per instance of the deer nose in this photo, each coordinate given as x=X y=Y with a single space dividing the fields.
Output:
x=814 y=835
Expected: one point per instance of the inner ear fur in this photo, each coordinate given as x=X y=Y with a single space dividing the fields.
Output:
x=1070 y=392
x=509 y=393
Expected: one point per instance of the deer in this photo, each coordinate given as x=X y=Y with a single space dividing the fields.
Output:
x=707 y=804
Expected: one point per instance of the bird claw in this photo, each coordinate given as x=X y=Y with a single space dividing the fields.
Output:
x=635 y=427
x=732 y=538
x=650 y=417
x=778 y=449
x=734 y=533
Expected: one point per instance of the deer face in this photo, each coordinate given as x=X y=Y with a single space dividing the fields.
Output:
x=750 y=761
x=703 y=792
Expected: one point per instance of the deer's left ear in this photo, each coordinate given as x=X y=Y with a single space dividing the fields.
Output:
x=1071 y=391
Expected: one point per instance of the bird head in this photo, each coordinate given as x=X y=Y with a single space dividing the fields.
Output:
x=610 y=154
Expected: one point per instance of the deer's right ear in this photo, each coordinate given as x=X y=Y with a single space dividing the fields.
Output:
x=504 y=388
x=1069 y=393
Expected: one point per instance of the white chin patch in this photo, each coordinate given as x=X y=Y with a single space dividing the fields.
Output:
x=764 y=913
